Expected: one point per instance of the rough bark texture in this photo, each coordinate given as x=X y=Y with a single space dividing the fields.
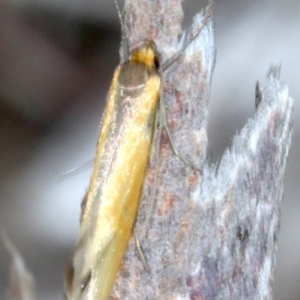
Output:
x=212 y=233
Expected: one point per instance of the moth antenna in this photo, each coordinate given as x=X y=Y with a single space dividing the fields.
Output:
x=188 y=37
x=125 y=45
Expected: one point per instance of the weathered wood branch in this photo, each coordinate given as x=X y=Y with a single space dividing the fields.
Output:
x=213 y=235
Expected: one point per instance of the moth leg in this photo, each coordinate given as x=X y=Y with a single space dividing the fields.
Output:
x=155 y=147
x=165 y=125
x=140 y=251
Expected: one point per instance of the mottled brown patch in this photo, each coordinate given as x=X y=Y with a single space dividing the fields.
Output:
x=164 y=141
x=151 y=176
x=222 y=231
x=167 y=204
x=182 y=233
x=193 y=180
x=177 y=110
x=122 y=266
x=185 y=226
x=168 y=87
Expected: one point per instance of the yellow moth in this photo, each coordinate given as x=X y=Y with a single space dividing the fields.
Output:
x=112 y=201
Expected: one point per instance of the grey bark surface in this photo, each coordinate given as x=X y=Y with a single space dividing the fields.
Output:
x=213 y=234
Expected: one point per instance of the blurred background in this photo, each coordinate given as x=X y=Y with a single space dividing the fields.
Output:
x=56 y=63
